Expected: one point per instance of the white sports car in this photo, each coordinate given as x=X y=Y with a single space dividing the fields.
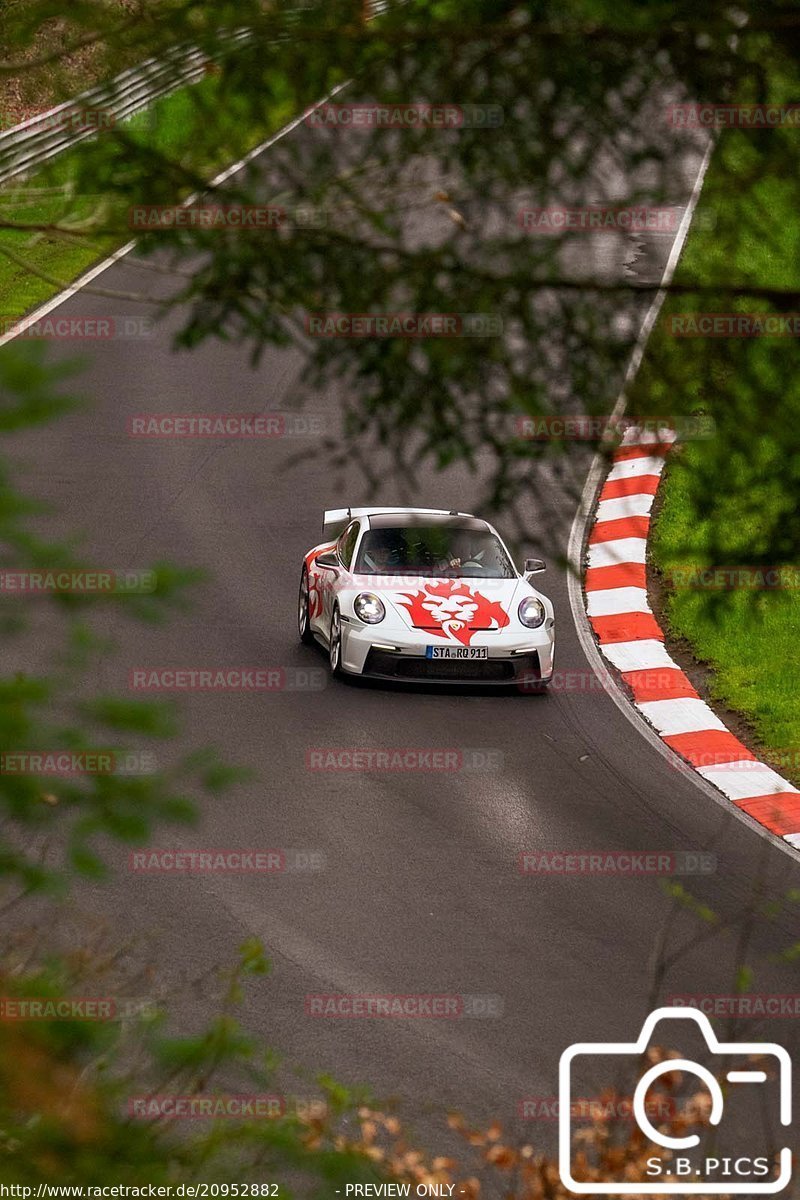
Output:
x=424 y=595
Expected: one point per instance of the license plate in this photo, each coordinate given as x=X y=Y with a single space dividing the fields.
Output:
x=468 y=652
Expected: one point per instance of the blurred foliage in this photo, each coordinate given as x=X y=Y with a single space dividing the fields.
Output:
x=73 y=1094
x=51 y=825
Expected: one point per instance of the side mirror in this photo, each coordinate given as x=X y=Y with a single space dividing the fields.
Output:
x=328 y=561
x=533 y=566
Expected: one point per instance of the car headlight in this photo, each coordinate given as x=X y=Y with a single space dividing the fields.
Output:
x=531 y=612
x=369 y=608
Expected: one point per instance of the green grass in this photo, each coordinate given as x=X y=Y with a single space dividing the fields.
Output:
x=750 y=638
x=198 y=127
x=733 y=498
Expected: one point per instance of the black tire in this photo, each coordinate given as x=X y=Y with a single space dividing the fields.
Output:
x=303 y=619
x=335 y=645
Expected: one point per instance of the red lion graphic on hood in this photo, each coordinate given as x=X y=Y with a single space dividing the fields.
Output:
x=452 y=610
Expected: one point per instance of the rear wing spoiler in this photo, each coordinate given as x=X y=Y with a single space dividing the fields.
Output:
x=336 y=520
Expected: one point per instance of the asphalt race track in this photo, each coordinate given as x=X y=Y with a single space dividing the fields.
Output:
x=421 y=891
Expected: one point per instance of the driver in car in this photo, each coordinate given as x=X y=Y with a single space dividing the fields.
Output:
x=382 y=558
x=462 y=556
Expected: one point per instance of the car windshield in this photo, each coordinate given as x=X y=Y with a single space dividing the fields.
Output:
x=441 y=550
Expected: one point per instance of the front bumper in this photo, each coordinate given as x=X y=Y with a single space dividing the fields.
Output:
x=519 y=658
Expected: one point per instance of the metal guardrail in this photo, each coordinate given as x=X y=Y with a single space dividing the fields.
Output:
x=33 y=142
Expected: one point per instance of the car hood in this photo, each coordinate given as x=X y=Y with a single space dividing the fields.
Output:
x=448 y=605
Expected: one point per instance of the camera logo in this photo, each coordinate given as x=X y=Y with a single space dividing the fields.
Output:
x=677 y=1173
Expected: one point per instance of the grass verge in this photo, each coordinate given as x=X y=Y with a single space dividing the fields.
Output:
x=731 y=501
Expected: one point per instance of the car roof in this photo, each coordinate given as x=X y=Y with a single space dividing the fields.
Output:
x=416 y=520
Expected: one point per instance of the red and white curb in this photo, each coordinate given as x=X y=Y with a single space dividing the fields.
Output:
x=630 y=638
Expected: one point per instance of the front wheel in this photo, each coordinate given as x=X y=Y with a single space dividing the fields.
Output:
x=304 y=612
x=335 y=645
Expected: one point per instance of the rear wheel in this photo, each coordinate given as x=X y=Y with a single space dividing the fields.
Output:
x=335 y=645
x=303 y=611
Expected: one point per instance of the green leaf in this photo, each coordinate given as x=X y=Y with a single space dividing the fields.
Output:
x=253 y=958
